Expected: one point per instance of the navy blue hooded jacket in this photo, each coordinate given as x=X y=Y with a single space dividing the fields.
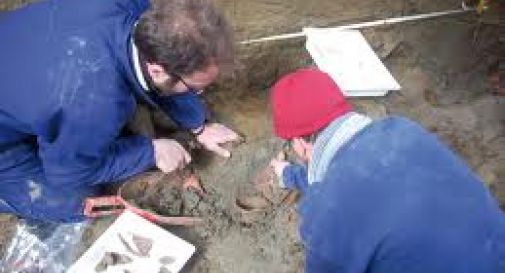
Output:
x=67 y=89
x=396 y=200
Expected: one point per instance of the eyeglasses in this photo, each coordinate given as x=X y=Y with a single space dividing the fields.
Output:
x=178 y=78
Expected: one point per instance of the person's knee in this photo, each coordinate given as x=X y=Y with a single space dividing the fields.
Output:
x=62 y=205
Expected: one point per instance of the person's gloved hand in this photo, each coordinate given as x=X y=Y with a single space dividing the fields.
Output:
x=170 y=155
x=215 y=134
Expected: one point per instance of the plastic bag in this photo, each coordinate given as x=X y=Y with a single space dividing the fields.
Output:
x=42 y=247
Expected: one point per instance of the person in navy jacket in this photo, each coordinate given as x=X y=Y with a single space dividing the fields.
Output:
x=72 y=74
x=382 y=196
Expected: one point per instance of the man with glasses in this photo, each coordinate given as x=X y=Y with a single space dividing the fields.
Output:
x=72 y=74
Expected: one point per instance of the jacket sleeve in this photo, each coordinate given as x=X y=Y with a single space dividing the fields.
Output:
x=295 y=177
x=344 y=220
x=316 y=264
x=82 y=144
x=187 y=110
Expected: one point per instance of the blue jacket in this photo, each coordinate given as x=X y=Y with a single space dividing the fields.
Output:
x=396 y=200
x=67 y=90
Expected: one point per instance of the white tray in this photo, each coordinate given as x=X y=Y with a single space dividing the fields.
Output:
x=165 y=244
x=350 y=61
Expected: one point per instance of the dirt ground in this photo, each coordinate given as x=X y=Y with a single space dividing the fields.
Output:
x=441 y=65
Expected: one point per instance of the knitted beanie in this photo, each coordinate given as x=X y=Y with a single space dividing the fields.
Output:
x=304 y=102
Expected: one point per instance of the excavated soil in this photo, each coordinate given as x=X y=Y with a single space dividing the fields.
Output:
x=441 y=64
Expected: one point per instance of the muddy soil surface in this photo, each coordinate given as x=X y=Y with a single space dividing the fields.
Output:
x=441 y=64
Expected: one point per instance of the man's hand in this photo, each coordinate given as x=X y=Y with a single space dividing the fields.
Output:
x=215 y=134
x=170 y=155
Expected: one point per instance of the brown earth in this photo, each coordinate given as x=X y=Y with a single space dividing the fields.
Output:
x=442 y=67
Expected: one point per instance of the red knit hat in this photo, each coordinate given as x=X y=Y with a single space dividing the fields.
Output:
x=304 y=102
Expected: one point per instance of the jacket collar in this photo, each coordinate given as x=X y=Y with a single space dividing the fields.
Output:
x=331 y=139
x=136 y=66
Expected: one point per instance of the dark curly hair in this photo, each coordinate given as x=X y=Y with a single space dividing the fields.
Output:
x=184 y=36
